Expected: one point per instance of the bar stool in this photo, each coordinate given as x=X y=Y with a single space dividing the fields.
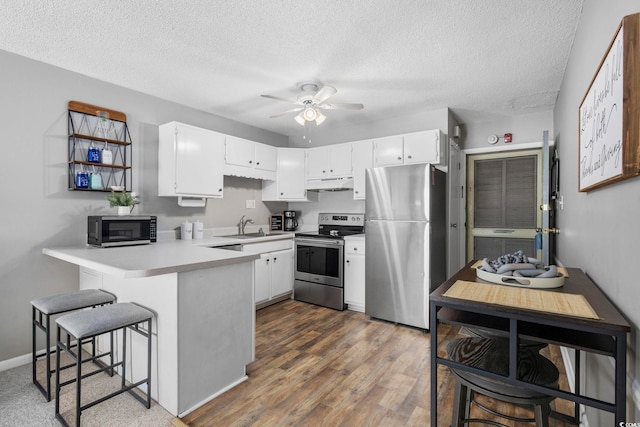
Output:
x=493 y=355
x=41 y=311
x=88 y=325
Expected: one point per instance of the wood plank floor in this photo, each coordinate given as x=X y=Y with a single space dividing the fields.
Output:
x=320 y=367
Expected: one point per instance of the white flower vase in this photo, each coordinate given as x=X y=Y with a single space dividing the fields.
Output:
x=124 y=210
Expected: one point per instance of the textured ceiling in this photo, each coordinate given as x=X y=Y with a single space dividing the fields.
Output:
x=479 y=58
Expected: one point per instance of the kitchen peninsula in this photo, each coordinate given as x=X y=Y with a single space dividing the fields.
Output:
x=203 y=300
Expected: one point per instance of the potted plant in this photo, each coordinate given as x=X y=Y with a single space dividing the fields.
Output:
x=123 y=201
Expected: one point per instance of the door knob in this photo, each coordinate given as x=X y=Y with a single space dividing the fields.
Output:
x=453 y=225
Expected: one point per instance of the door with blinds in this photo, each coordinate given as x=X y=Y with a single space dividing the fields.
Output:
x=503 y=197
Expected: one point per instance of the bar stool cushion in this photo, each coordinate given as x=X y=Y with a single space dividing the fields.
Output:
x=493 y=355
x=83 y=324
x=71 y=301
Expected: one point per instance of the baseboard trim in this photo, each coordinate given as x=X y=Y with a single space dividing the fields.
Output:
x=5 y=365
x=213 y=396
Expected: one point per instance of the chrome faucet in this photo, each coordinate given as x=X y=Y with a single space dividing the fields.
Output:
x=243 y=223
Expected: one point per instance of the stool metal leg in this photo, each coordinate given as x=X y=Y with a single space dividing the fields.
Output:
x=48 y=350
x=460 y=404
x=149 y=364
x=33 y=345
x=78 y=383
x=124 y=356
x=57 y=413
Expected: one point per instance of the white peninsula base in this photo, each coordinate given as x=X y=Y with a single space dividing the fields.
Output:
x=203 y=332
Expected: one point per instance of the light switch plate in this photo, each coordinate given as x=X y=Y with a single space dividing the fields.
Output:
x=250 y=204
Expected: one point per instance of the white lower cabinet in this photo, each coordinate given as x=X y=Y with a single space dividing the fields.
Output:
x=273 y=275
x=273 y=272
x=354 y=273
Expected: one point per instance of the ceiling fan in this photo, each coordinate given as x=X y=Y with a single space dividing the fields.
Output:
x=310 y=103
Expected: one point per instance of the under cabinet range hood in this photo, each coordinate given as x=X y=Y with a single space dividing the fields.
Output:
x=330 y=184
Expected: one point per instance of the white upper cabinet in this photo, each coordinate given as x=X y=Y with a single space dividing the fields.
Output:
x=249 y=159
x=362 y=152
x=331 y=161
x=388 y=151
x=425 y=147
x=266 y=157
x=290 y=177
x=419 y=147
x=190 y=161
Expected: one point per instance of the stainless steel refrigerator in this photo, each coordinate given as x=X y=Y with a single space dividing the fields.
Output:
x=406 y=241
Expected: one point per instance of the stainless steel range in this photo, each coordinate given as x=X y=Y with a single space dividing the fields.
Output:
x=319 y=268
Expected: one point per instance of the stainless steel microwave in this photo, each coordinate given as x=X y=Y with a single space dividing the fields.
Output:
x=126 y=230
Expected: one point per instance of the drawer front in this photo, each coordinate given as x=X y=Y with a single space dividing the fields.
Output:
x=270 y=246
x=354 y=248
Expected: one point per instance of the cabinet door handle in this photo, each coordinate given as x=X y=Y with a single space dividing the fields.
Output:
x=274 y=259
x=399 y=158
x=267 y=260
x=347 y=261
x=355 y=249
x=324 y=171
x=257 y=163
x=409 y=156
x=250 y=161
x=331 y=170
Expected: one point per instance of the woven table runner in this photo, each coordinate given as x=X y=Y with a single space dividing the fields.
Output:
x=531 y=299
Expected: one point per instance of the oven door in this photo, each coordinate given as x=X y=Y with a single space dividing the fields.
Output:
x=320 y=261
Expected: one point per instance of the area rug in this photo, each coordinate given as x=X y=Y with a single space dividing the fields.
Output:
x=22 y=404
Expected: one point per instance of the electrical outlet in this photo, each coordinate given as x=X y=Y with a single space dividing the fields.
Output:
x=250 y=204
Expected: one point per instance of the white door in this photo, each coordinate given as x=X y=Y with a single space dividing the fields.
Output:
x=456 y=198
x=504 y=191
x=422 y=147
x=362 y=159
x=340 y=160
x=266 y=157
x=199 y=161
x=239 y=151
x=291 y=177
x=354 y=282
x=388 y=151
x=281 y=272
x=317 y=162
x=262 y=278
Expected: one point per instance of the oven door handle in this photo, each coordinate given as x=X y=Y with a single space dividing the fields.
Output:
x=328 y=243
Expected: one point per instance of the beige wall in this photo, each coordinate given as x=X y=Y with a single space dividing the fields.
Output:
x=38 y=211
x=599 y=230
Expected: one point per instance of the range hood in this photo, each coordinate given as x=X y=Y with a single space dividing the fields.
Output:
x=330 y=184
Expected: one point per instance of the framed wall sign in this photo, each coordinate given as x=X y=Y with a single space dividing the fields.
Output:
x=609 y=114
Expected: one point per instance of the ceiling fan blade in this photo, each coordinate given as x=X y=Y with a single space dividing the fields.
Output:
x=293 y=110
x=277 y=98
x=325 y=93
x=341 y=106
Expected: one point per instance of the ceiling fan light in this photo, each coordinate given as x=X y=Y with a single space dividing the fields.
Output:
x=321 y=118
x=300 y=118
x=310 y=114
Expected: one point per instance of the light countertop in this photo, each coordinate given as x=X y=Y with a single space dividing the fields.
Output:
x=355 y=237
x=166 y=257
